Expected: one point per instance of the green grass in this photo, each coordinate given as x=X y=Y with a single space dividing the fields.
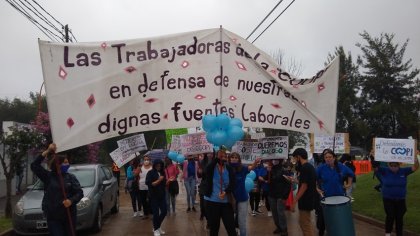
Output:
x=5 y=224
x=368 y=201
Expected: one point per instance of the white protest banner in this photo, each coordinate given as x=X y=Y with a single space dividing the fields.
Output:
x=132 y=144
x=176 y=143
x=339 y=143
x=257 y=135
x=195 y=143
x=121 y=158
x=274 y=147
x=100 y=90
x=395 y=150
x=248 y=150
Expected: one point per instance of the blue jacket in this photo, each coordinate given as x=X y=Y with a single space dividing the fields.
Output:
x=331 y=179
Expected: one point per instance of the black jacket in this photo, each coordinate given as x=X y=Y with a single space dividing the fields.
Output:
x=207 y=186
x=279 y=186
x=158 y=191
x=52 y=203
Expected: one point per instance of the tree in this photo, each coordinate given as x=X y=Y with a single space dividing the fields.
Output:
x=349 y=119
x=389 y=87
x=16 y=145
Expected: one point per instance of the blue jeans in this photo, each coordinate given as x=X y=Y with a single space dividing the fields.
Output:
x=159 y=211
x=242 y=214
x=190 y=188
x=279 y=217
x=170 y=200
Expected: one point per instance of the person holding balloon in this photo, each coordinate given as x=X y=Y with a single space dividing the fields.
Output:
x=241 y=191
x=219 y=185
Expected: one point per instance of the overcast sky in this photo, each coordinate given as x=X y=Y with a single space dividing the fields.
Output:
x=306 y=32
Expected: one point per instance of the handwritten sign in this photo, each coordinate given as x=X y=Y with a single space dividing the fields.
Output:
x=176 y=143
x=274 y=147
x=257 y=135
x=395 y=150
x=132 y=144
x=195 y=143
x=248 y=150
x=339 y=143
x=120 y=157
x=100 y=90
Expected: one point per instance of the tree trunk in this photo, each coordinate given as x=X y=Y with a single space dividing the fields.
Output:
x=8 y=207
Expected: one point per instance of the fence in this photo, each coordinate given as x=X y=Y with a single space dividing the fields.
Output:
x=362 y=167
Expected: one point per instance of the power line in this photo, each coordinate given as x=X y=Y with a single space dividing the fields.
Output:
x=33 y=21
x=274 y=20
x=35 y=13
x=264 y=19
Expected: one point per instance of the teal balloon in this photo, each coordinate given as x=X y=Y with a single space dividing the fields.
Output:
x=172 y=155
x=230 y=143
x=235 y=132
x=249 y=184
x=209 y=136
x=251 y=175
x=180 y=158
x=219 y=137
x=209 y=123
x=236 y=122
x=223 y=121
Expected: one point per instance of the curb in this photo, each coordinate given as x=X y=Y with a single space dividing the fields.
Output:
x=378 y=223
x=8 y=232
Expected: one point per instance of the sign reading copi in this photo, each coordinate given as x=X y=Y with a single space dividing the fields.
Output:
x=395 y=150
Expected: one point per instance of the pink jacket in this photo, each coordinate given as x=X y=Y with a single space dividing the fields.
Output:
x=185 y=169
x=171 y=171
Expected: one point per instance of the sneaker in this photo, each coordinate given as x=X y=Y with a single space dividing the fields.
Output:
x=258 y=211
x=194 y=210
x=161 y=231
x=135 y=214
x=253 y=213
x=188 y=209
x=269 y=214
x=156 y=233
x=140 y=214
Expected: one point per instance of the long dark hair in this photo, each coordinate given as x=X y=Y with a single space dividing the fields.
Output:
x=238 y=168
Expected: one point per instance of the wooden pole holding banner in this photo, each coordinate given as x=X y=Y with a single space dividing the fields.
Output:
x=221 y=67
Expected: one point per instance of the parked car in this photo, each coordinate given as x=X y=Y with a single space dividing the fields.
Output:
x=101 y=196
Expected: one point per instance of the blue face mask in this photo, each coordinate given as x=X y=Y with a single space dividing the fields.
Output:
x=65 y=168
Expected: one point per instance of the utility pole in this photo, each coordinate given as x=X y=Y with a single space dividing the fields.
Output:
x=66 y=33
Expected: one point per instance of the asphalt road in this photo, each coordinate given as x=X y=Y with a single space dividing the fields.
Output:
x=184 y=223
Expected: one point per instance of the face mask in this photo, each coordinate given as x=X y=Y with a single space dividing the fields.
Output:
x=276 y=162
x=234 y=164
x=146 y=162
x=65 y=168
x=329 y=162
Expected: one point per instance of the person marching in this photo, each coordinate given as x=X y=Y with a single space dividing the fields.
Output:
x=330 y=181
x=156 y=181
x=306 y=194
x=62 y=192
x=219 y=183
x=240 y=194
x=279 y=189
x=394 y=192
